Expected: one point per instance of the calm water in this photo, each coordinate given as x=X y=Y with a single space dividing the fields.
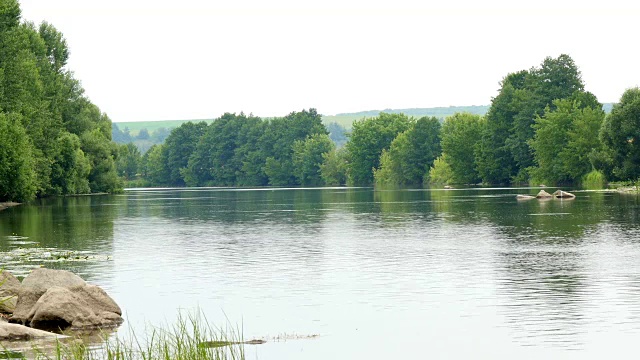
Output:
x=377 y=274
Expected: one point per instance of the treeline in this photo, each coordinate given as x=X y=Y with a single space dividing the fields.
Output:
x=235 y=150
x=542 y=127
x=241 y=150
x=145 y=138
x=53 y=140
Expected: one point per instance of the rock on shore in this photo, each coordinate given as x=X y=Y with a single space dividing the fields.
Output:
x=57 y=298
x=9 y=286
x=16 y=332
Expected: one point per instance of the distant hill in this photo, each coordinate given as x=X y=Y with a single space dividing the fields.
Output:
x=346 y=119
x=135 y=126
x=435 y=111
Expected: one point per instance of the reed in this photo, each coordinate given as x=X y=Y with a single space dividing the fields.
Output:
x=190 y=337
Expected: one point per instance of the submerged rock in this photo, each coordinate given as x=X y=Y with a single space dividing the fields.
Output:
x=524 y=197
x=563 y=194
x=9 y=286
x=57 y=299
x=16 y=332
x=544 y=195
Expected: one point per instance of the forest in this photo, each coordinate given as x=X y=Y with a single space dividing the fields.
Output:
x=542 y=127
x=53 y=140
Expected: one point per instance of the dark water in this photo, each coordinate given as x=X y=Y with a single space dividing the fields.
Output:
x=376 y=274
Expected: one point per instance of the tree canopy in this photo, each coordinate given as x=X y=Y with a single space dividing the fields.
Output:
x=61 y=141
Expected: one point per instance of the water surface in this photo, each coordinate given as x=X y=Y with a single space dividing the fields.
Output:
x=377 y=274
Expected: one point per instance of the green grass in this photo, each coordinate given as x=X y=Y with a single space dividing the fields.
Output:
x=191 y=337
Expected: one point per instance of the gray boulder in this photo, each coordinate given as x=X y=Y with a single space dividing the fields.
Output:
x=563 y=194
x=544 y=195
x=36 y=284
x=14 y=332
x=58 y=298
x=9 y=286
x=85 y=307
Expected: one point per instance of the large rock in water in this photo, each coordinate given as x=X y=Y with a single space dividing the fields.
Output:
x=57 y=298
x=563 y=195
x=544 y=195
x=85 y=307
x=9 y=286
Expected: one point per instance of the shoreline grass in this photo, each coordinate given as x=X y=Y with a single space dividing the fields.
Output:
x=187 y=339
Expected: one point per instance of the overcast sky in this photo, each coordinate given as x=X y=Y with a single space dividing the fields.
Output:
x=190 y=59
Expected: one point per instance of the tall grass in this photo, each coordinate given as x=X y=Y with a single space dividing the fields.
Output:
x=191 y=337
x=594 y=180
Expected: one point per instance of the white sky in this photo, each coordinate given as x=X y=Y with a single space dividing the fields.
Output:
x=190 y=59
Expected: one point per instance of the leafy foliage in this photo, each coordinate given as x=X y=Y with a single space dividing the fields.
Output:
x=334 y=167
x=369 y=137
x=308 y=156
x=504 y=154
x=410 y=154
x=129 y=161
x=17 y=177
x=460 y=135
x=440 y=173
x=63 y=140
x=621 y=135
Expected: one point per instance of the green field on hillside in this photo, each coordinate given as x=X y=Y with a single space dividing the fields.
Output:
x=346 y=120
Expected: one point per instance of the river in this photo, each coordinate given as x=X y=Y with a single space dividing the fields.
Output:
x=353 y=273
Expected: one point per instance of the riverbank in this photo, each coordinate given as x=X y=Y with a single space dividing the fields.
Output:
x=628 y=190
x=6 y=205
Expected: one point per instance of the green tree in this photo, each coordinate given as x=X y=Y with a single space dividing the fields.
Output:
x=62 y=125
x=334 y=167
x=9 y=15
x=460 y=135
x=154 y=166
x=564 y=140
x=410 y=154
x=440 y=173
x=101 y=153
x=369 y=137
x=220 y=154
x=17 y=178
x=584 y=147
x=178 y=148
x=129 y=160
x=308 y=156
x=494 y=159
x=71 y=168
x=143 y=134
x=504 y=155
x=621 y=135
x=277 y=143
